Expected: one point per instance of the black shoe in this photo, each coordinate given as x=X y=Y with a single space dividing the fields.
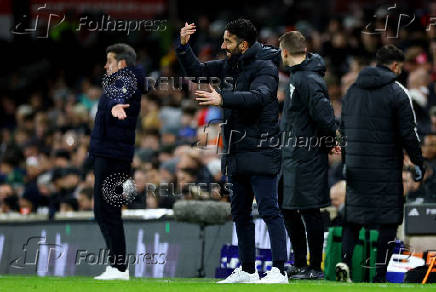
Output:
x=308 y=273
x=316 y=274
x=293 y=270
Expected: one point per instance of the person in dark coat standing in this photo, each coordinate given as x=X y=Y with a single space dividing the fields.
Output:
x=112 y=148
x=378 y=122
x=251 y=111
x=308 y=133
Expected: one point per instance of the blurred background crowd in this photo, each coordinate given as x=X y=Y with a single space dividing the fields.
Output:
x=49 y=90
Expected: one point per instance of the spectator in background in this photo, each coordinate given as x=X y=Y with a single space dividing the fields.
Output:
x=140 y=201
x=193 y=167
x=188 y=130
x=429 y=148
x=8 y=199
x=31 y=191
x=357 y=64
x=45 y=189
x=418 y=90
x=153 y=186
x=150 y=106
x=85 y=199
x=68 y=205
x=149 y=140
x=65 y=182
x=10 y=171
x=8 y=108
x=433 y=119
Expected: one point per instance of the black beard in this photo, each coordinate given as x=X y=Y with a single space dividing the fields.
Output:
x=233 y=60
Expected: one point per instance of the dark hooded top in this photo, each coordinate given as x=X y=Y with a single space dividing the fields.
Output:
x=378 y=122
x=308 y=132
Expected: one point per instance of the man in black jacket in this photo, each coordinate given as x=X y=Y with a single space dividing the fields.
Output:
x=378 y=122
x=112 y=148
x=250 y=117
x=309 y=129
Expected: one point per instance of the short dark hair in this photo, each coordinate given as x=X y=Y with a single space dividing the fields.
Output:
x=243 y=29
x=388 y=54
x=294 y=42
x=123 y=52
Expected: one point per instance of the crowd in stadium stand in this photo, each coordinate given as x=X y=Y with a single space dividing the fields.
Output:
x=46 y=121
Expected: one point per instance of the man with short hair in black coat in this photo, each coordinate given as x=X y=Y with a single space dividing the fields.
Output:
x=309 y=129
x=112 y=147
x=251 y=109
x=378 y=122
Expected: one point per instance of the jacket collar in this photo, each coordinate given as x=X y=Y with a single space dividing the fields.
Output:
x=250 y=53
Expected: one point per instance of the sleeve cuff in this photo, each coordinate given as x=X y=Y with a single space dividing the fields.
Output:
x=224 y=99
x=114 y=102
x=180 y=47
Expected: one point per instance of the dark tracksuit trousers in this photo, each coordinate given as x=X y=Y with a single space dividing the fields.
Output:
x=298 y=222
x=387 y=234
x=109 y=217
x=264 y=189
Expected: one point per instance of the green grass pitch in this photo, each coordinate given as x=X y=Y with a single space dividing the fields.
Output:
x=84 y=284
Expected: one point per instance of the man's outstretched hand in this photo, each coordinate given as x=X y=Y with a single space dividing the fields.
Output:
x=186 y=32
x=118 y=111
x=208 y=98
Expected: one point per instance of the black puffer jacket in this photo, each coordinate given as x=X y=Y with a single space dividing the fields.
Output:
x=308 y=131
x=377 y=122
x=250 y=107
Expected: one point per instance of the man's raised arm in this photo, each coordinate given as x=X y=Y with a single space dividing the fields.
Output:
x=189 y=62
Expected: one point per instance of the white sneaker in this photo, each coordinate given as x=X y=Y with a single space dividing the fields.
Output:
x=274 y=277
x=239 y=276
x=112 y=273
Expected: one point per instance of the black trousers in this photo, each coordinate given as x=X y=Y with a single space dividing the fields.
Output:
x=264 y=189
x=297 y=223
x=387 y=234
x=109 y=217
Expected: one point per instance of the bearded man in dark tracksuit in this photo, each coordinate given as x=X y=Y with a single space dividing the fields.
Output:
x=378 y=122
x=309 y=130
x=112 y=148
x=250 y=116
